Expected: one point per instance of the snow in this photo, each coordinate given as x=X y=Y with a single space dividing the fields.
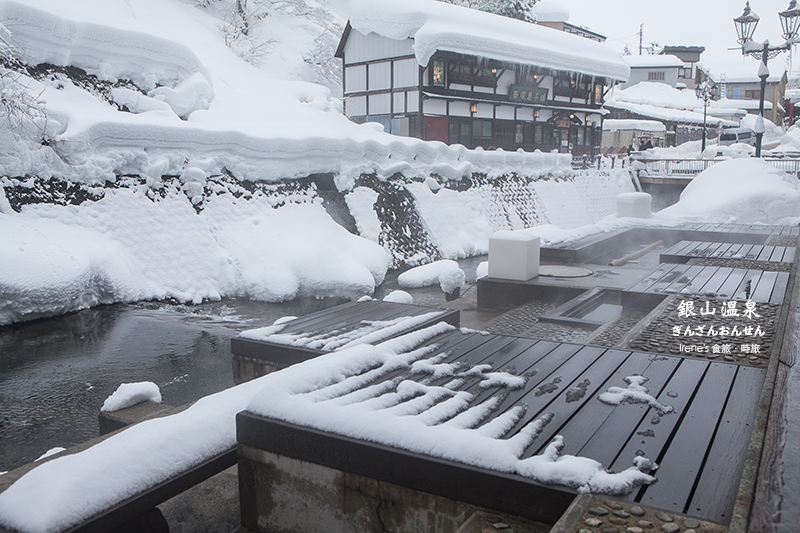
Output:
x=446 y=273
x=48 y=453
x=550 y=11
x=740 y=191
x=128 y=247
x=745 y=69
x=635 y=392
x=201 y=102
x=662 y=102
x=370 y=331
x=439 y=26
x=653 y=61
x=632 y=124
x=400 y=297
x=129 y=394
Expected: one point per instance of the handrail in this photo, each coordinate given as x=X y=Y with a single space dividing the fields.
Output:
x=692 y=167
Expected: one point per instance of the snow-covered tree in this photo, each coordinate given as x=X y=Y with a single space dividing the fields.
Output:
x=517 y=9
x=19 y=111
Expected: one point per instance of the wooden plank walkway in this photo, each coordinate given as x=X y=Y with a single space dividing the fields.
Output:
x=715 y=281
x=309 y=336
x=684 y=251
x=701 y=444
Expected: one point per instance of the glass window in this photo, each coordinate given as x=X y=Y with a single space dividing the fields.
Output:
x=537 y=134
x=581 y=141
x=438 y=73
x=655 y=75
x=518 y=134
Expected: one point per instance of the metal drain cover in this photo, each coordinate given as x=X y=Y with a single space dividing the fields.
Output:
x=563 y=271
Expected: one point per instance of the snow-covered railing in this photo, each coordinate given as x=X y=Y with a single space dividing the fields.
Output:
x=692 y=167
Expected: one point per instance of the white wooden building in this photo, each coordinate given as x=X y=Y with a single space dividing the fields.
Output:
x=442 y=72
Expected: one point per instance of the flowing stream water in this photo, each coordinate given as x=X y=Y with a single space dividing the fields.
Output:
x=55 y=373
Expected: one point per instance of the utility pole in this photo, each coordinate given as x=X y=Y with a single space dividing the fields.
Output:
x=641 y=32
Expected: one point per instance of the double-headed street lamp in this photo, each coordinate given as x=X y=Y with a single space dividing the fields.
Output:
x=745 y=27
x=705 y=91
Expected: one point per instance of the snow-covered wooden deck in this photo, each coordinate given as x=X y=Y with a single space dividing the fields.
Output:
x=697 y=424
x=686 y=250
x=715 y=282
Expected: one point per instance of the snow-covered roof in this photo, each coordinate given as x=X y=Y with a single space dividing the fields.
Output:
x=653 y=61
x=744 y=70
x=662 y=102
x=793 y=95
x=631 y=124
x=439 y=26
x=549 y=11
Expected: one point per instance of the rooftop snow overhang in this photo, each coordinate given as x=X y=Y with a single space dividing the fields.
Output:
x=437 y=26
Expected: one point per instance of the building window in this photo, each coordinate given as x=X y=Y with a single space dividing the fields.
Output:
x=519 y=136
x=655 y=76
x=482 y=129
x=685 y=73
x=752 y=95
x=736 y=93
x=537 y=135
x=439 y=73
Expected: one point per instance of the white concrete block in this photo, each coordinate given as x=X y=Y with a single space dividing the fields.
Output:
x=513 y=256
x=634 y=204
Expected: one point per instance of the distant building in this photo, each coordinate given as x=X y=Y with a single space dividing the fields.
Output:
x=690 y=55
x=462 y=76
x=655 y=68
x=742 y=83
x=680 y=111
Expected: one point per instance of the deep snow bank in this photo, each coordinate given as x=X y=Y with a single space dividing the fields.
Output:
x=139 y=243
x=740 y=191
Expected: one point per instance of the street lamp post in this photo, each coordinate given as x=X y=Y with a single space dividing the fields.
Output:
x=705 y=91
x=745 y=27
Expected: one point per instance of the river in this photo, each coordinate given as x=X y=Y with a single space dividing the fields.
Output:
x=55 y=373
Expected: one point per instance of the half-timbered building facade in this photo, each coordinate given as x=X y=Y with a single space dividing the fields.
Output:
x=447 y=73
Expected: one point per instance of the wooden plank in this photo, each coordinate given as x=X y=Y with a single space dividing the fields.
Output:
x=650 y=438
x=541 y=369
x=695 y=285
x=732 y=251
x=713 y=497
x=681 y=462
x=540 y=393
x=721 y=250
x=743 y=251
x=753 y=253
x=741 y=291
x=788 y=257
x=779 y=290
x=763 y=291
x=667 y=278
x=728 y=288
x=349 y=307
x=716 y=281
x=680 y=248
x=574 y=396
x=679 y=284
x=332 y=325
x=650 y=279
x=600 y=429
x=777 y=254
x=766 y=251
x=308 y=322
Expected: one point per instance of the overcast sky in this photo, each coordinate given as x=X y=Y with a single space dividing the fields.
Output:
x=707 y=23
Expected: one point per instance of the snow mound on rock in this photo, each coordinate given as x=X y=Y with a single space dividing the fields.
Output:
x=446 y=273
x=129 y=394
